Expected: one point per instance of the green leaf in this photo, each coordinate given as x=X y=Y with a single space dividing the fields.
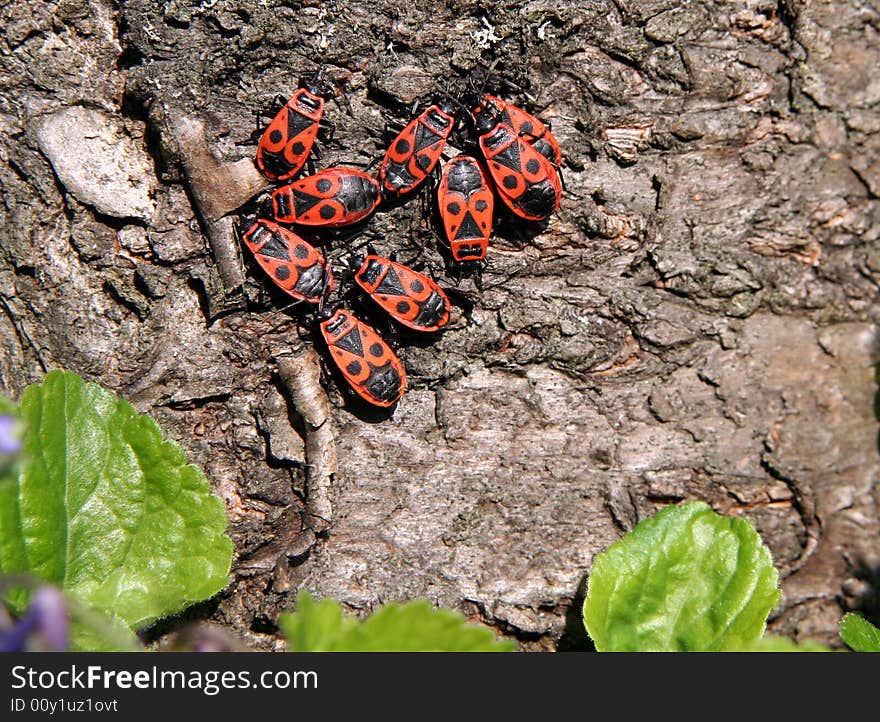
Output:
x=412 y=627
x=7 y=406
x=316 y=626
x=93 y=631
x=108 y=510
x=687 y=579
x=773 y=643
x=859 y=634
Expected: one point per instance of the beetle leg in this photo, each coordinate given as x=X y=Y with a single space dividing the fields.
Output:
x=326 y=130
x=393 y=128
x=289 y=306
x=317 y=152
x=375 y=159
x=479 y=267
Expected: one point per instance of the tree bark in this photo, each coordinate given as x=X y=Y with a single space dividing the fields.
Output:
x=698 y=320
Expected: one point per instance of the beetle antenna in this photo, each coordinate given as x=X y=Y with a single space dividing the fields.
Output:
x=489 y=74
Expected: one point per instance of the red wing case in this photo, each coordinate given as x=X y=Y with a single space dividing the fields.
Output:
x=529 y=128
x=294 y=265
x=332 y=197
x=409 y=297
x=466 y=204
x=288 y=139
x=368 y=364
x=525 y=180
x=414 y=153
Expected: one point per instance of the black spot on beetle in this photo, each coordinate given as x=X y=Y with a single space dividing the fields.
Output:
x=509 y=181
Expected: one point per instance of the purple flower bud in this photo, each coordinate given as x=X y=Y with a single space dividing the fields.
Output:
x=9 y=442
x=15 y=638
x=53 y=618
x=45 y=626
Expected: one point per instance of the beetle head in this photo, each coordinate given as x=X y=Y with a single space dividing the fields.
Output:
x=319 y=85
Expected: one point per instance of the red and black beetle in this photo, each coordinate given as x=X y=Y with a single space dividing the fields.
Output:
x=368 y=364
x=466 y=204
x=294 y=265
x=332 y=197
x=409 y=297
x=416 y=150
x=525 y=180
x=289 y=139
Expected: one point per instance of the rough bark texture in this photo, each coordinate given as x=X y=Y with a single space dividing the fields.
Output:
x=696 y=321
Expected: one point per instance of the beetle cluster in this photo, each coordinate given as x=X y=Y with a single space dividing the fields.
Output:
x=519 y=164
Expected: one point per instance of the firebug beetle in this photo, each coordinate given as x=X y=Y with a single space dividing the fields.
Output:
x=525 y=180
x=409 y=297
x=466 y=204
x=415 y=151
x=368 y=364
x=294 y=265
x=524 y=124
x=288 y=140
x=331 y=197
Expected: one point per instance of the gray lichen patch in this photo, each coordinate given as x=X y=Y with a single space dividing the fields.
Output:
x=98 y=162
